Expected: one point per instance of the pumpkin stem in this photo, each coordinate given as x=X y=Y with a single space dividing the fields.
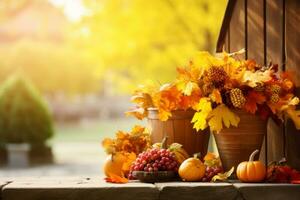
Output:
x=112 y=157
x=251 y=158
x=164 y=143
x=197 y=155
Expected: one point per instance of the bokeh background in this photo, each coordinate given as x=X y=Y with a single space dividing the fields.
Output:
x=85 y=58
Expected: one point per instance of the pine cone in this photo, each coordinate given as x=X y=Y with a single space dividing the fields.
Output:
x=276 y=89
x=237 y=98
x=216 y=75
x=274 y=98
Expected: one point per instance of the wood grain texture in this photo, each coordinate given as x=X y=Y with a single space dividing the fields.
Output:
x=255 y=34
x=191 y=191
x=179 y=129
x=274 y=31
x=293 y=38
x=237 y=27
x=236 y=144
x=293 y=65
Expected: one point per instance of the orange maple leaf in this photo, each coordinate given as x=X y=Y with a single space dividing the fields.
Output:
x=187 y=102
x=113 y=178
x=216 y=96
x=254 y=98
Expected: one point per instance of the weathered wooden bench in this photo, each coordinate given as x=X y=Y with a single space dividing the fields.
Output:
x=96 y=189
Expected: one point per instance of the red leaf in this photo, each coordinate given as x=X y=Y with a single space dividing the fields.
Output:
x=254 y=98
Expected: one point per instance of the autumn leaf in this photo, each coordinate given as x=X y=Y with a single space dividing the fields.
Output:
x=164 y=115
x=222 y=115
x=187 y=102
x=135 y=141
x=252 y=78
x=216 y=96
x=203 y=109
x=139 y=113
x=130 y=158
x=212 y=160
x=187 y=87
x=108 y=145
x=137 y=130
x=186 y=81
x=167 y=100
x=223 y=176
x=203 y=60
x=254 y=98
x=251 y=65
x=113 y=178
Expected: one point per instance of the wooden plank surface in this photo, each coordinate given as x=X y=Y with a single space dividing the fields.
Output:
x=237 y=27
x=274 y=17
x=293 y=65
x=293 y=38
x=191 y=191
x=255 y=34
x=274 y=46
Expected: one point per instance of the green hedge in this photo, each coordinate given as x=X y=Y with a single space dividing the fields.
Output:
x=24 y=115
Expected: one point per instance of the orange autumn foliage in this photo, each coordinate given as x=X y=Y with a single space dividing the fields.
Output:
x=254 y=98
x=214 y=86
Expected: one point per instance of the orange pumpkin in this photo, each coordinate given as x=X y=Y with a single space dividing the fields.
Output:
x=118 y=163
x=251 y=171
x=192 y=169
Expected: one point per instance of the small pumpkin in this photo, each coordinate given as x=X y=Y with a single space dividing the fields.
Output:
x=251 y=171
x=192 y=169
x=118 y=164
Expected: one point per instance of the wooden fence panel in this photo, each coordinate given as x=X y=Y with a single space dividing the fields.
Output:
x=237 y=27
x=255 y=30
x=274 y=46
x=293 y=64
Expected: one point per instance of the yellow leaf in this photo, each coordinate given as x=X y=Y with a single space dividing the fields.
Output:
x=223 y=176
x=204 y=60
x=130 y=158
x=222 y=115
x=187 y=79
x=203 y=109
x=164 y=115
x=188 y=88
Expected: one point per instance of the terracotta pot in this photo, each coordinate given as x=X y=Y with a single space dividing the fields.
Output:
x=179 y=129
x=235 y=144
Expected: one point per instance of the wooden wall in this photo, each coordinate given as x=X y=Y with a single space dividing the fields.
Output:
x=269 y=30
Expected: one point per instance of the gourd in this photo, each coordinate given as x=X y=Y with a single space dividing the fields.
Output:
x=192 y=169
x=251 y=171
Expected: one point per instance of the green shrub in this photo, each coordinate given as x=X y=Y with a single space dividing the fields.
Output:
x=24 y=115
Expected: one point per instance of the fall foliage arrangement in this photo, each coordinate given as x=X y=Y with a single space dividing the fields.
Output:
x=216 y=87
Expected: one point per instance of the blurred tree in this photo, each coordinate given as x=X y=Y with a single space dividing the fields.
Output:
x=134 y=40
x=53 y=68
x=24 y=115
x=115 y=46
